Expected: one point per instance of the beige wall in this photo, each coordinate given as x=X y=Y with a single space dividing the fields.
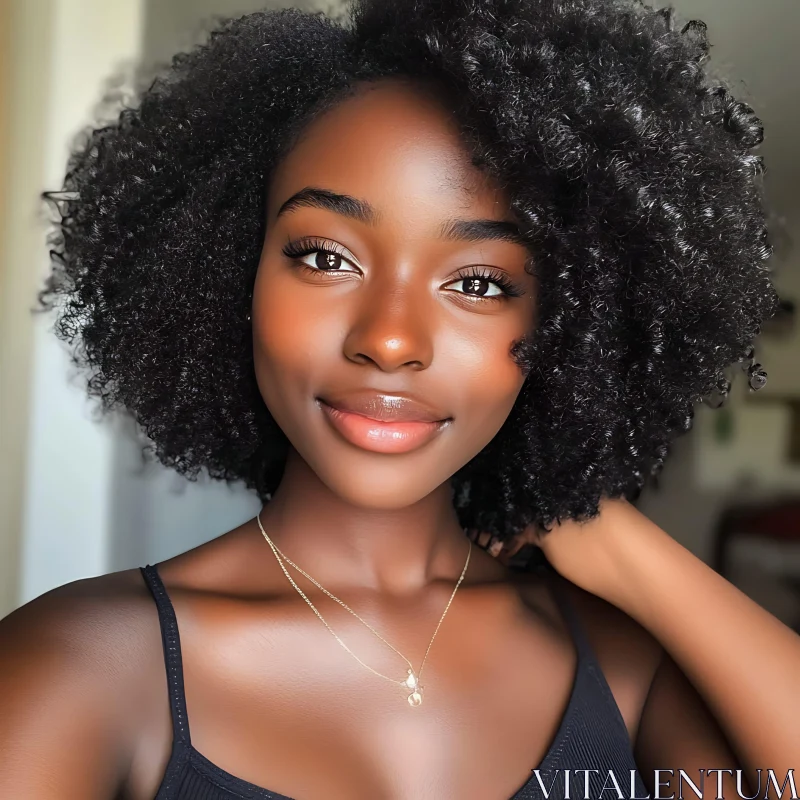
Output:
x=54 y=460
x=8 y=552
x=25 y=64
x=5 y=41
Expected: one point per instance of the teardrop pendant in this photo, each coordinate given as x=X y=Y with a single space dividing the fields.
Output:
x=412 y=682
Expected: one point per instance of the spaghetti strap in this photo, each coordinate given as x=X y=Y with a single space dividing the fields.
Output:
x=591 y=734
x=587 y=660
x=170 y=639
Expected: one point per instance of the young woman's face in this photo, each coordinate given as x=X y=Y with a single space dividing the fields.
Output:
x=394 y=276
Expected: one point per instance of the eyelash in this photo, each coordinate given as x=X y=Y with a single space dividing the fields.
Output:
x=492 y=275
x=301 y=248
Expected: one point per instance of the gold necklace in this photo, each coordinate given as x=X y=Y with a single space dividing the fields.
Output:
x=411 y=681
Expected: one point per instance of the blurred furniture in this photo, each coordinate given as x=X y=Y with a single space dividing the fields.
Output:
x=775 y=521
x=778 y=521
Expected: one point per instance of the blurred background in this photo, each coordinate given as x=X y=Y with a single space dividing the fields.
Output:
x=77 y=500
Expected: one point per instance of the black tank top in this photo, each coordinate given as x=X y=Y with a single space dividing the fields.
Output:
x=591 y=735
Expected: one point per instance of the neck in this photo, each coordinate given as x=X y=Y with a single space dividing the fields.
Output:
x=344 y=547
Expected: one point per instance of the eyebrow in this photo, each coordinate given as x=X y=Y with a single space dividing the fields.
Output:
x=461 y=230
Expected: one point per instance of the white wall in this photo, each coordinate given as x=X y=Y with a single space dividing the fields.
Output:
x=66 y=500
x=25 y=35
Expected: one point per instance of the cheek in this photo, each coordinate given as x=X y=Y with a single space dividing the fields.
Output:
x=289 y=341
x=489 y=379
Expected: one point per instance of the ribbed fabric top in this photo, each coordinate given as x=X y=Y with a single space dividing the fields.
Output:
x=591 y=736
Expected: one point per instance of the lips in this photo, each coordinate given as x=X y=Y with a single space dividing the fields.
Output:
x=381 y=422
x=385 y=407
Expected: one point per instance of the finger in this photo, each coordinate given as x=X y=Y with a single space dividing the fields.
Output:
x=491 y=544
x=515 y=545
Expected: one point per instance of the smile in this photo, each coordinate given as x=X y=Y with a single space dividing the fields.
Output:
x=378 y=436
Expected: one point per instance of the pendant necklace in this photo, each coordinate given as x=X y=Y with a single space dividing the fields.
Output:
x=412 y=679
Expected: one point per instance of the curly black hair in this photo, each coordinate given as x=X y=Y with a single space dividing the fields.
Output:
x=629 y=169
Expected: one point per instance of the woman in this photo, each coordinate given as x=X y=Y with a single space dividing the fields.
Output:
x=443 y=266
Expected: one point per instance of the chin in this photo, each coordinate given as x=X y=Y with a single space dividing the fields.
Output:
x=380 y=492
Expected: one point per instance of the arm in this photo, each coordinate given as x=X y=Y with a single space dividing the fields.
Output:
x=725 y=653
x=60 y=732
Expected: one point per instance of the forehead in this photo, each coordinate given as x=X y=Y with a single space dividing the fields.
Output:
x=397 y=147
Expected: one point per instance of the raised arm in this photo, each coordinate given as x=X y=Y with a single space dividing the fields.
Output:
x=726 y=654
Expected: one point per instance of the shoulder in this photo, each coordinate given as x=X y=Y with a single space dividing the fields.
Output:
x=98 y=620
x=78 y=664
x=627 y=653
x=608 y=628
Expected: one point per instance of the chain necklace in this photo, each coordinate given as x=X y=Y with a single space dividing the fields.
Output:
x=411 y=681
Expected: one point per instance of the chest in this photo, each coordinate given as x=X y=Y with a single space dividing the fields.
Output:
x=285 y=707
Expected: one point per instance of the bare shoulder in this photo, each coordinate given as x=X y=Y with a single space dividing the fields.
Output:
x=92 y=619
x=627 y=653
x=606 y=626
x=603 y=623
x=77 y=664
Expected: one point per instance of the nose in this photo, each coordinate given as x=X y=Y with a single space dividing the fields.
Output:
x=391 y=330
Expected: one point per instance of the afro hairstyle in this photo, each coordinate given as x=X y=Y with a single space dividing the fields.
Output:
x=629 y=169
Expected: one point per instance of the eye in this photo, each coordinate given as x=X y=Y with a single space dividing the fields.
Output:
x=478 y=287
x=485 y=282
x=327 y=256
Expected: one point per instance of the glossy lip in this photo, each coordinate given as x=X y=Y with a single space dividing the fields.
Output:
x=384 y=406
x=383 y=423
